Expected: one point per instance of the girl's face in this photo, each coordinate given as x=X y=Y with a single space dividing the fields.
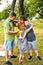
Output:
x=23 y=26
x=16 y=24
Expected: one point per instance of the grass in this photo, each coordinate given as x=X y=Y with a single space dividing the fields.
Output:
x=38 y=29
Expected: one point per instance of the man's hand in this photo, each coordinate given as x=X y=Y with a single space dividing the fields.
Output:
x=16 y=31
x=11 y=32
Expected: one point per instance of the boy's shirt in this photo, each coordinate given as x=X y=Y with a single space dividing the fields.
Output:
x=30 y=35
x=8 y=24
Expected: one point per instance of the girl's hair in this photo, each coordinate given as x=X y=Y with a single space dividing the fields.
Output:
x=22 y=17
x=20 y=24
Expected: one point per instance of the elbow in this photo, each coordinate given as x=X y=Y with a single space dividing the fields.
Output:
x=7 y=32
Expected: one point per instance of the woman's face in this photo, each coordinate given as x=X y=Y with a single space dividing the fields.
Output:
x=21 y=21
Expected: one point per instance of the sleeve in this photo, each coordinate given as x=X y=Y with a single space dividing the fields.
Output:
x=6 y=25
x=28 y=26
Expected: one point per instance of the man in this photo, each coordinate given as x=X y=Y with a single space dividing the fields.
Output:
x=9 y=36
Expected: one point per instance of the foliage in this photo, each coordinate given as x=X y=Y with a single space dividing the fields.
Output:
x=31 y=8
x=5 y=13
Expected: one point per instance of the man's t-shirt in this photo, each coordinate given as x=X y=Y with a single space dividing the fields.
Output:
x=30 y=35
x=8 y=25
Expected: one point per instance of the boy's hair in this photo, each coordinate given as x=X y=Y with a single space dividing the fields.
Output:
x=12 y=14
x=27 y=20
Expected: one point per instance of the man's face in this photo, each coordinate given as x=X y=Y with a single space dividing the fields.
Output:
x=12 y=18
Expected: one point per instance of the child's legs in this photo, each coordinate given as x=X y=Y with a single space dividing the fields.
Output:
x=35 y=47
x=36 y=51
x=30 y=48
x=21 y=57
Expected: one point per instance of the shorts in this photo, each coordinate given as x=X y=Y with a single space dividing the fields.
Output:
x=9 y=44
x=32 y=45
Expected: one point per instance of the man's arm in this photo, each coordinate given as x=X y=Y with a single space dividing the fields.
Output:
x=8 y=31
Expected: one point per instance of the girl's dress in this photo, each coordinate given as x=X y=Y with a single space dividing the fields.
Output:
x=22 y=45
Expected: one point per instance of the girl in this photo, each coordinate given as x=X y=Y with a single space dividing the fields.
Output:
x=21 y=45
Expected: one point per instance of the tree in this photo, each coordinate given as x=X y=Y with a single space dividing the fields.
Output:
x=13 y=5
x=40 y=8
x=21 y=7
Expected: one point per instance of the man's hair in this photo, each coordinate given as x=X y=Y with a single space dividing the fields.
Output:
x=12 y=14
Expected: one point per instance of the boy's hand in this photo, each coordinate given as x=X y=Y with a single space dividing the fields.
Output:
x=22 y=39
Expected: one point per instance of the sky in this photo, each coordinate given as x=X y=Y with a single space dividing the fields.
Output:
x=4 y=4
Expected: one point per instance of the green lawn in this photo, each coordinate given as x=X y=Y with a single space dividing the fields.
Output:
x=38 y=29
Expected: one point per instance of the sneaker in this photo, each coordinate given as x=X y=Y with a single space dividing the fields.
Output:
x=38 y=57
x=13 y=56
x=8 y=63
x=30 y=58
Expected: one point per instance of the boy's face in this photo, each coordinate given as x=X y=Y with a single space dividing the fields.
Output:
x=26 y=23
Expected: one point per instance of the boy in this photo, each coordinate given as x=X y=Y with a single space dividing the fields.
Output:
x=31 y=39
x=9 y=36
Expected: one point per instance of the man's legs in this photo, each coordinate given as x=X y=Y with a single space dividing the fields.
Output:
x=6 y=55
x=12 y=50
x=7 y=48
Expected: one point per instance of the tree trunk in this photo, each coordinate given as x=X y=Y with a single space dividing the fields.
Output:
x=13 y=5
x=21 y=7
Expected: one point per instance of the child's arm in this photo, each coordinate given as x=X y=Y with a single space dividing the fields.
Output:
x=27 y=31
